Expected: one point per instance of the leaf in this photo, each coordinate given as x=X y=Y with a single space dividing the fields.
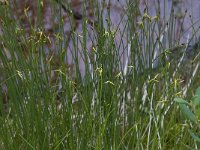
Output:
x=188 y=113
x=195 y=137
x=197 y=92
x=181 y=101
x=185 y=109
x=196 y=100
x=197 y=112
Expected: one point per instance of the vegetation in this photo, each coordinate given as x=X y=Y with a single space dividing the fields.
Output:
x=57 y=93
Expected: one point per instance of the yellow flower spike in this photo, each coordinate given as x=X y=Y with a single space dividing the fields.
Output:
x=57 y=36
x=154 y=79
x=175 y=82
x=20 y=74
x=118 y=75
x=141 y=25
x=156 y=18
x=94 y=49
x=39 y=34
x=100 y=70
x=179 y=94
x=26 y=11
x=18 y=31
x=146 y=16
x=106 y=33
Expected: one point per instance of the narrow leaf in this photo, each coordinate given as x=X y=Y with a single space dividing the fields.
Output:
x=188 y=113
x=181 y=101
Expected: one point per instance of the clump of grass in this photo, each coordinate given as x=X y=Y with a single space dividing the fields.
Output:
x=117 y=95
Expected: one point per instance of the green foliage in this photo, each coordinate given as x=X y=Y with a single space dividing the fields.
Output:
x=107 y=96
x=192 y=112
